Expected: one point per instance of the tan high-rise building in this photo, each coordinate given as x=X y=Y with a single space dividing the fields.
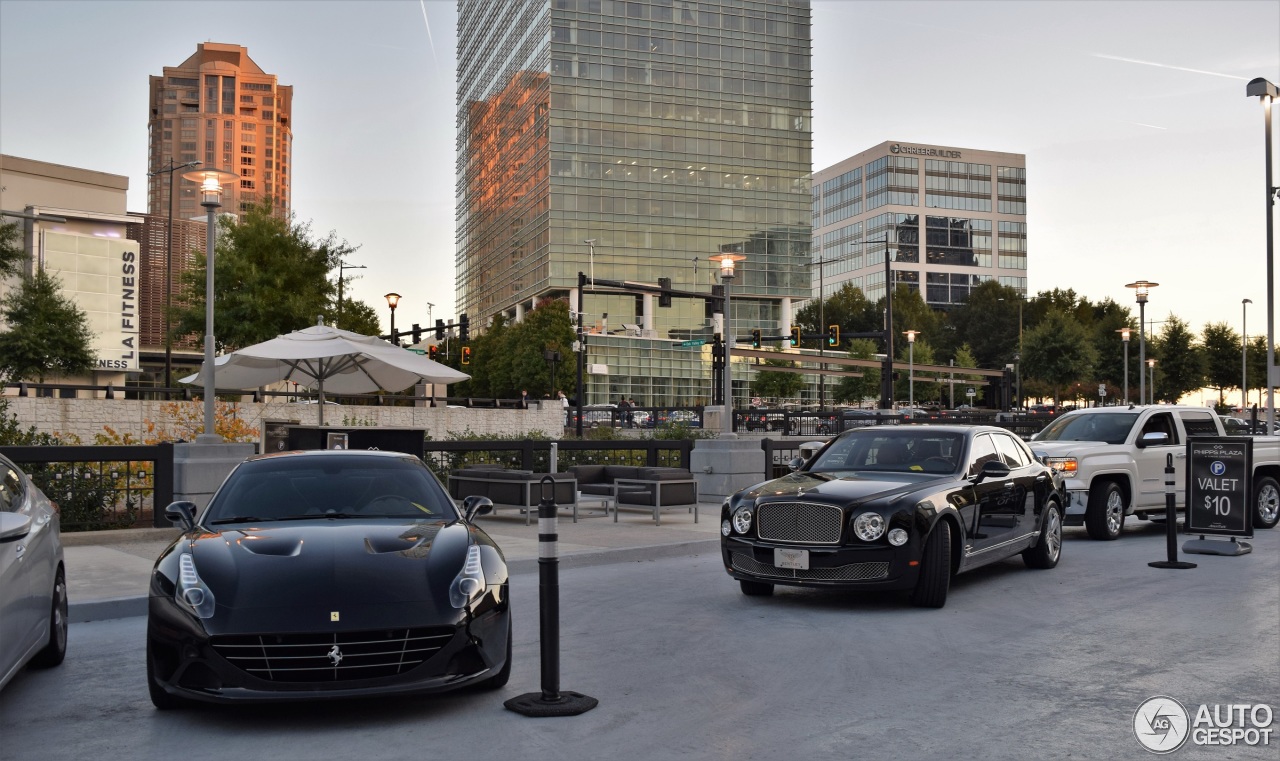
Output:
x=220 y=108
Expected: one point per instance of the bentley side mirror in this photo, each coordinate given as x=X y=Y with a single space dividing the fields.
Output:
x=1153 y=439
x=991 y=469
x=475 y=506
x=181 y=514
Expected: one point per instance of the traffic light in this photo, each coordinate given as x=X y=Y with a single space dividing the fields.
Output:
x=755 y=338
x=433 y=353
x=664 y=298
x=464 y=328
x=466 y=355
x=417 y=334
x=439 y=330
x=795 y=336
x=833 y=335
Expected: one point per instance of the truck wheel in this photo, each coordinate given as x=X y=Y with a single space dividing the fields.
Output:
x=1104 y=517
x=1266 y=503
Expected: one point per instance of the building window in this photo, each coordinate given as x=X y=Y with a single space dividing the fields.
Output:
x=268 y=115
x=246 y=184
x=248 y=137
x=247 y=149
x=246 y=161
x=267 y=100
x=246 y=172
x=248 y=126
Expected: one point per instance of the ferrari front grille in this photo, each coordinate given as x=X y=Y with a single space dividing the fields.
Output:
x=800 y=522
x=851 y=572
x=334 y=657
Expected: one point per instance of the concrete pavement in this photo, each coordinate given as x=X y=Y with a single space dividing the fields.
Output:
x=108 y=571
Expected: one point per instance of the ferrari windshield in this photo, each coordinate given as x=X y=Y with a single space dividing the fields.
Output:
x=1112 y=428
x=893 y=448
x=330 y=486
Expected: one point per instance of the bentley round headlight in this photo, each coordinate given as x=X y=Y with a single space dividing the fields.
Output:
x=869 y=526
x=742 y=520
x=725 y=528
x=897 y=537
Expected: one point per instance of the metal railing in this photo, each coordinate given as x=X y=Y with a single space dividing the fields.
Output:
x=102 y=487
x=188 y=393
x=443 y=457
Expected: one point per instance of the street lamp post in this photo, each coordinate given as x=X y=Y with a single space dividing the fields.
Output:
x=344 y=266
x=211 y=181
x=1124 y=336
x=727 y=263
x=1244 y=353
x=1142 y=288
x=911 y=366
x=1151 y=363
x=168 y=266
x=393 y=300
x=1267 y=93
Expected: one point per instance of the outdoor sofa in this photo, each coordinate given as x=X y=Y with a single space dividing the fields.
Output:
x=521 y=489
x=639 y=487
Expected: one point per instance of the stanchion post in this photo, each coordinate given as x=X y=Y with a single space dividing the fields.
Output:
x=551 y=701
x=1170 y=522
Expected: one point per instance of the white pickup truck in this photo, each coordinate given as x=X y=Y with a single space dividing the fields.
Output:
x=1113 y=461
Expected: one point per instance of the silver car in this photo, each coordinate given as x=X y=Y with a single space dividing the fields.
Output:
x=33 y=581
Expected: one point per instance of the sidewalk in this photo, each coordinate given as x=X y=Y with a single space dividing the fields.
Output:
x=108 y=571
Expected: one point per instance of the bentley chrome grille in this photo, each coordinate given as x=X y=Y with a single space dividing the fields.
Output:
x=851 y=572
x=334 y=657
x=801 y=522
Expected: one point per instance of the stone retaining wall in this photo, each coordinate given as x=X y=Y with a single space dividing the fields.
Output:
x=86 y=418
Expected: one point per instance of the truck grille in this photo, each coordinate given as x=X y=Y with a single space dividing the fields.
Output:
x=336 y=657
x=800 y=522
x=851 y=572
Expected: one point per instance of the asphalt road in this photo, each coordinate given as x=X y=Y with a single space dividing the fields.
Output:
x=1021 y=664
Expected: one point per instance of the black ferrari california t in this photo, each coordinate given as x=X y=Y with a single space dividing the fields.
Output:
x=327 y=574
x=895 y=507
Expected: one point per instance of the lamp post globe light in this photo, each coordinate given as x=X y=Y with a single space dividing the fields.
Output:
x=211 y=181
x=1267 y=93
x=727 y=264
x=1124 y=336
x=168 y=266
x=393 y=300
x=911 y=367
x=1141 y=289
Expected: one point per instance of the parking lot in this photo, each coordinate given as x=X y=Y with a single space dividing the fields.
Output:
x=1020 y=664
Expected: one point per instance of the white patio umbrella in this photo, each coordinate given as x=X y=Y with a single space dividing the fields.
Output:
x=332 y=358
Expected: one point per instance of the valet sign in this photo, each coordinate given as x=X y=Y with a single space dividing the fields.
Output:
x=1219 y=474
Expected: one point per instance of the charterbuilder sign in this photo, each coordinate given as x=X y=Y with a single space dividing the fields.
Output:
x=938 y=152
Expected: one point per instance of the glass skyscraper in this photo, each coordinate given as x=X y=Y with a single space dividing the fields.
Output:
x=665 y=131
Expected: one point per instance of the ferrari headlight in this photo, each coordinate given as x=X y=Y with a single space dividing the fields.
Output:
x=742 y=520
x=192 y=592
x=1065 y=465
x=470 y=582
x=869 y=526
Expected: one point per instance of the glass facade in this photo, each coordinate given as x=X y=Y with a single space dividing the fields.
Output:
x=974 y=227
x=664 y=130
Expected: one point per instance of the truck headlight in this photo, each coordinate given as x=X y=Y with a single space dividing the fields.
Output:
x=1064 y=465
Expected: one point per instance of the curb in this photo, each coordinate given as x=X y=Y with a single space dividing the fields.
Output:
x=131 y=607
x=117 y=536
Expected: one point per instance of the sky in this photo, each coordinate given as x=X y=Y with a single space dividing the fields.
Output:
x=1144 y=156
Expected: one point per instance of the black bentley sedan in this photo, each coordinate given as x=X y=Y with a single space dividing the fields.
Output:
x=327 y=574
x=895 y=507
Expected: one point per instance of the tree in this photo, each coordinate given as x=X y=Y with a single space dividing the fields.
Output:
x=545 y=328
x=908 y=358
x=1058 y=352
x=13 y=256
x=777 y=385
x=910 y=312
x=848 y=307
x=1257 y=365
x=988 y=323
x=1180 y=362
x=1222 y=357
x=48 y=333
x=490 y=364
x=1108 y=318
x=964 y=358
x=357 y=316
x=271 y=278
x=852 y=389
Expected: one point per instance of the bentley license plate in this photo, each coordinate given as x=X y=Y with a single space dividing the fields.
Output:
x=795 y=559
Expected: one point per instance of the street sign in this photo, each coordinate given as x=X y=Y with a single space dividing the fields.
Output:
x=1219 y=482
x=691 y=344
x=415 y=351
x=1102 y=389
x=970 y=393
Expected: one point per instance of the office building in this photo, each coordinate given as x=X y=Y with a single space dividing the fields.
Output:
x=951 y=218
x=220 y=108
x=665 y=131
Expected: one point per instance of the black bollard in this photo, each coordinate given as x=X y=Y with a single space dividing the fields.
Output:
x=1170 y=522
x=551 y=701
